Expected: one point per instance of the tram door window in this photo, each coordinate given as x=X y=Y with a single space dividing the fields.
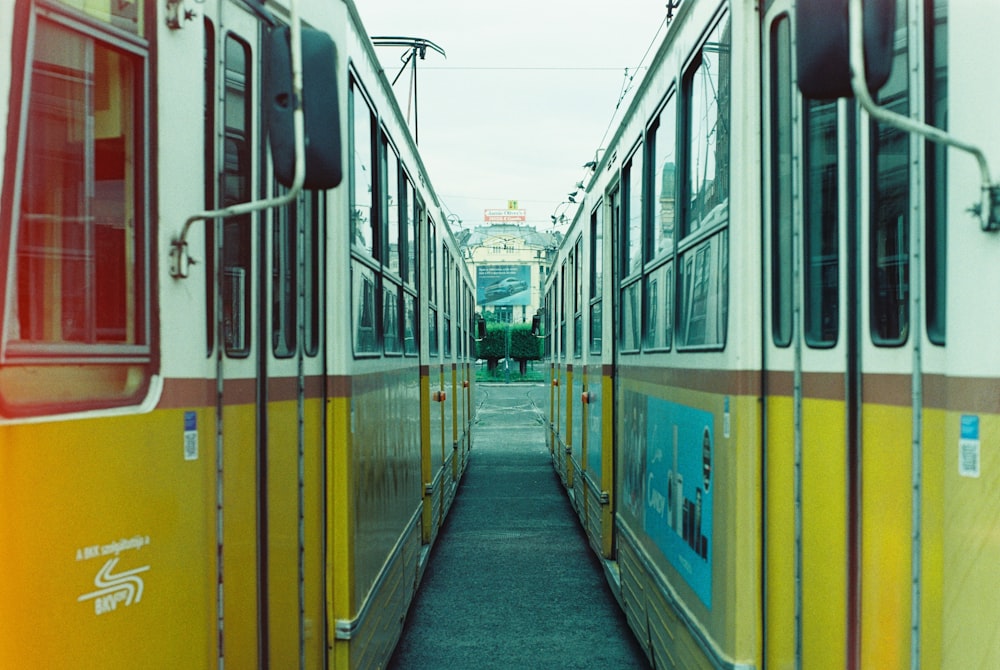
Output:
x=80 y=278
x=890 y=214
x=781 y=165
x=236 y=188
x=936 y=68
x=820 y=225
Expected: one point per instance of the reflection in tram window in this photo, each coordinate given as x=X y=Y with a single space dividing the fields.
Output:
x=890 y=215
x=236 y=171
x=707 y=105
x=820 y=229
x=80 y=199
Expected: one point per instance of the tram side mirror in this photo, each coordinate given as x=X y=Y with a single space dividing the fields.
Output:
x=321 y=107
x=536 y=325
x=821 y=46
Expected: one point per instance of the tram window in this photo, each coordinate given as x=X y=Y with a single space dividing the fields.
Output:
x=596 y=276
x=889 y=275
x=410 y=217
x=432 y=261
x=781 y=183
x=391 y=206
x=820 y=230
x=362 y=173
x=364 y=296
x=659 y=308
x=707 y=127
x=410 y=326
x=631 y=223
x=937 y=183
x=704 y=294
x=631 y=317
x=703 y=266
x=236 y=171
x=432 y=333
x=80 y=282
x=390 y=319
x=663 y=169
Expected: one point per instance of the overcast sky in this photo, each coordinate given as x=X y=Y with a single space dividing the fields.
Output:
x=524 y=97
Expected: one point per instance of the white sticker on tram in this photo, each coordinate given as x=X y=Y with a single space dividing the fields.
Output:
x=968 y=447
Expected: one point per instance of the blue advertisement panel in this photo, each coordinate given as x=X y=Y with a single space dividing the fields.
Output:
x=503 y=284
x=678 y=495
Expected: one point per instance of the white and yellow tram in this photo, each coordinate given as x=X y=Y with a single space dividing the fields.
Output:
x=236 y=451
x=773 y=351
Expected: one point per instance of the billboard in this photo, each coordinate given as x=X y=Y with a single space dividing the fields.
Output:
x=503 y=284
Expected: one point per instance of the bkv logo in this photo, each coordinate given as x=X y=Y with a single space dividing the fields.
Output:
x=112 y=589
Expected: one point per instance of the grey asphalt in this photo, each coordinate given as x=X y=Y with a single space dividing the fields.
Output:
x=512 y=581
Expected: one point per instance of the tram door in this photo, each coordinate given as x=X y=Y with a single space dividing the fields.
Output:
x=810 y=486
x=231 y=273
x=838 y=367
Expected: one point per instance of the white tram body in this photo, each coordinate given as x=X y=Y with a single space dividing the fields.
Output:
x=774 y=368
x=240 y=456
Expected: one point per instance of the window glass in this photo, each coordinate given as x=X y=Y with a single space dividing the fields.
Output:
x=236 y=174
x=659 y=298
x=703 y=267
x=890 y=222
x=937 y=185
x=781 y=184
x=596 y=334
x=708 y=127
x=631 y=318
x=632 y=225
x=391 y=207
x=362 y=166
x=432 y=332
x=820 y=230
x=410 y=229
x=365 y=310
x=704 y=299
x=432 y=261
x=80 y=247
x=664 y=182
x=410 y=345
x=390 y=319
x=596 y=251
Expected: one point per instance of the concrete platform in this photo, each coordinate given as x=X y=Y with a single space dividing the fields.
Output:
x=512 y=582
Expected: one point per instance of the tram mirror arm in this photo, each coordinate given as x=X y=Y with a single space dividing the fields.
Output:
x=845 y=48
x=297 y=61
x=988 y=209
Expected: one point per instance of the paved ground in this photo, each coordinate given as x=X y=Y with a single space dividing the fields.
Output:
x=512 y=582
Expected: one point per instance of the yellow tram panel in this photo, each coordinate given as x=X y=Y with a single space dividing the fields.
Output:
x=146 y=558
